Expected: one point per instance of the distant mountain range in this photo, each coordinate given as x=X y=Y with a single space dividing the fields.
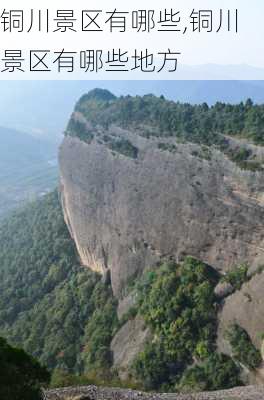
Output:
x=28 y=168
x=47 y=105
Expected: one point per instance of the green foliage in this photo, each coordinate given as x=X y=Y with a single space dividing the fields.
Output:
x=243 y=349
x=167 y=147
x=237 y=276
x=129 y=315
x=49 y=304
x=179 y=305
x=98 y=95
x=21 y=377
x=99 y=330
x=65 y=316
x=154 y=116
x=243 y=158
x=196 y=123
x=62 y=378
x=203 y=153
x=79 y=129
x=253 y=166
x=106 y=378
x=154 y=367
x=122 y=146
x=241 y=154
x=217 y=371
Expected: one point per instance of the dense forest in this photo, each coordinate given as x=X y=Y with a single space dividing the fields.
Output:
x=178 y=303
x=58 y=311
x=160 y=117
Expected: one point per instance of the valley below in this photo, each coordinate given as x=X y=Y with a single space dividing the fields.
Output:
x=28 y=169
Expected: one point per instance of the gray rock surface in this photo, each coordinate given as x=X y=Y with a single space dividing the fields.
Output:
x=127 y=343
x=246 y=308
x=223 y=289
x=126 y=214
x=97 y=393
x=125 y=304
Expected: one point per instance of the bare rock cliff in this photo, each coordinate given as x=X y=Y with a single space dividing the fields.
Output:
x=134 y=195
x=127 y=213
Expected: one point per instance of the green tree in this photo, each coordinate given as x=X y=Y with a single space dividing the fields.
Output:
x=178 y=303
x=58 y=311
x=217 y=371
x=243 y=349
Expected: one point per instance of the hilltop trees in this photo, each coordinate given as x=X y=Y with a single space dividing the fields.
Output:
x=196 y=123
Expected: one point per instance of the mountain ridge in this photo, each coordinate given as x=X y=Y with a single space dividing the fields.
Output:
x=28 y=168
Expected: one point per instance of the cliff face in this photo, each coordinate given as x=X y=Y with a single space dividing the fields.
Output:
x=136 y=191
x=166 y=201
x=245 y=308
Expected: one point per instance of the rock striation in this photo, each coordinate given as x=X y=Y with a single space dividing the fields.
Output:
x=159 y=199
x=134 y=195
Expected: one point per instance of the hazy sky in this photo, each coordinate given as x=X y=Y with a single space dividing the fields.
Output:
x=223 y=48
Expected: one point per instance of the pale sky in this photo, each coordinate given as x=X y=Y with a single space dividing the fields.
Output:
x=245 y=47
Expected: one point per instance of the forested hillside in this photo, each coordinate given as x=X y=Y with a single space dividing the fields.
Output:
x=58 y=311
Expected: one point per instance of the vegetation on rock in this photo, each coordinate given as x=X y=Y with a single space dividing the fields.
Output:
x=178 y=303
x=217 y=371
x=243 y=349
x=65 y=316
x=237 y=276
x=196 y=123
x=58 y=311
x=154 y=116
x=121 y=145
x=79 y=129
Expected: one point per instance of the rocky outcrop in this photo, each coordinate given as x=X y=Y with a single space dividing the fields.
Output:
x=127 y=343
x=128 y=213
x=223 y=289
x=133 y=198
x=97 y=393
x=245 y=308
x=126 y=303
